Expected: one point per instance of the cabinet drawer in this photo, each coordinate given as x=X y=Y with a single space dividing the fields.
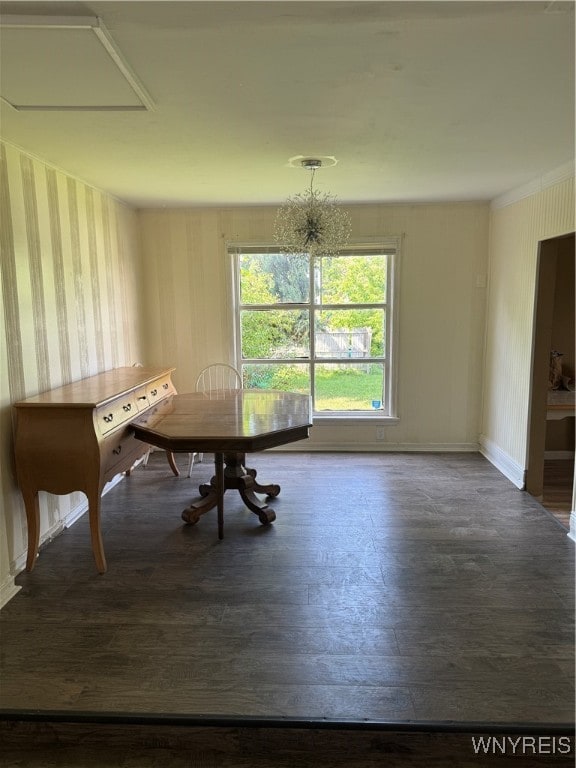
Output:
x=116 y=413
x=120 y=451
x=142 y=402
x=151 y=416
x=160 y=389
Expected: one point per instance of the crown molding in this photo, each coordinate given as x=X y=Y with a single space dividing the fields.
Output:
x=556 y=176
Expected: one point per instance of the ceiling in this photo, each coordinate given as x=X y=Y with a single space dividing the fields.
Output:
x=417 y=101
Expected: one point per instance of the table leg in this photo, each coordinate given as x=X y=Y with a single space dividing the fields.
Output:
x=270 y=489
x=232 y=474
x=213 y=496
x=244 y=480
x=220 y=490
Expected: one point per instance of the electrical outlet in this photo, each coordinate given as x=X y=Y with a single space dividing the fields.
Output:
x=380 y=433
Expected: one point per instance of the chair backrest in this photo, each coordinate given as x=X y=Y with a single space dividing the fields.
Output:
x=218 y=376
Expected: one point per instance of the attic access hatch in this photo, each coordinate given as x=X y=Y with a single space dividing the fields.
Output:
x=65 y=63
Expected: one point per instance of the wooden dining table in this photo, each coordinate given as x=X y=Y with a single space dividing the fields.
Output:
x=229 y=424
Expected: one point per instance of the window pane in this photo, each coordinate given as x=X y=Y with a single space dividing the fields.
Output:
x=278 y=333
x=287 y=378
x=348 y=387
x=350 y=279
x=350 y=333
x=274 y=278
x=283 y=298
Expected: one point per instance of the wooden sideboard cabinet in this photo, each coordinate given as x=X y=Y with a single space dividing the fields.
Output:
x=78 y=437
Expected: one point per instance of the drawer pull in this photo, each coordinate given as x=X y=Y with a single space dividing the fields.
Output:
x=117 y=451
x=154 y=392
x=109 y=418
x=142 y=397
x=128 y=407
x=165 y=386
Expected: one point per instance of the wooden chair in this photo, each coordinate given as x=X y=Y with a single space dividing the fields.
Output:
x=218 y=376
x=215 y=376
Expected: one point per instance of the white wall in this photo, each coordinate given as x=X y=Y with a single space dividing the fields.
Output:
x=516 y=229
x=69 y=309
x=442 y=299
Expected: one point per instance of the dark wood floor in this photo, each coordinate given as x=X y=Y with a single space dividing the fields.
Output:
x=558 y=486
x=391 y=588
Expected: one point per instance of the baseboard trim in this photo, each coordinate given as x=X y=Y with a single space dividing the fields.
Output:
x=378 y=447
x=19 y=563
x=572 y=531
x=8 y=589
x=503 y=462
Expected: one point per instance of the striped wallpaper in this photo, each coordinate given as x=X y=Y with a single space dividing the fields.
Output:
x=70 y=268
x=515 y=231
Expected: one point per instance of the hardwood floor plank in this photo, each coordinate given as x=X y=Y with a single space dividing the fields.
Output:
x=421 y=618
x=535 y=595
x=531 y=703
x=557 y=489
x=537 y=643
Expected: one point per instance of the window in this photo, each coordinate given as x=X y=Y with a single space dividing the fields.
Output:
x=319 y=325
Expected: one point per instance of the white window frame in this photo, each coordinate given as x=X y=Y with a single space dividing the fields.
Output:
x=390 y=246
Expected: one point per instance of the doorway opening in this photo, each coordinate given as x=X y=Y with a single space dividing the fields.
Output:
x=551 y=439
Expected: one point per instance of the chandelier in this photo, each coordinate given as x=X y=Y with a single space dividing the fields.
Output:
x=312 y=222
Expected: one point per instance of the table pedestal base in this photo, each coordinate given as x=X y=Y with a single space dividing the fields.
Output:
x=232 y=474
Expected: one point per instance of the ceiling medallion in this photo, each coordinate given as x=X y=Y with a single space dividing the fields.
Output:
x=312 y=222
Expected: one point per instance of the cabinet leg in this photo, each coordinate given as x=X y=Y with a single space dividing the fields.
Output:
x=33 y=523
x=94 y=498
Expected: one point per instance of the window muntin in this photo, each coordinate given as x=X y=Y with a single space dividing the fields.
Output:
x=336 y=347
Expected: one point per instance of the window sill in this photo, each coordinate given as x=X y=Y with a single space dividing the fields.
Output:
x=351 y=419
